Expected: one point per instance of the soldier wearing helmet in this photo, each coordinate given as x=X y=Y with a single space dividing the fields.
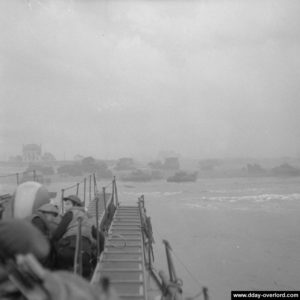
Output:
x=44 y=218
x=51 y=213
x=65 y=236
x=19 y=275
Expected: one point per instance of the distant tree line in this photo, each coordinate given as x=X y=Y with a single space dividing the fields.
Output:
x=284 y=169
x=214 y=167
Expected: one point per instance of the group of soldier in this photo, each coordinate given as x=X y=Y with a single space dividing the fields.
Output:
x=62 y=231
x=52 y=239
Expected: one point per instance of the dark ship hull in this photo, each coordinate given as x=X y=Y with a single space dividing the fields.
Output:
x=183 y=177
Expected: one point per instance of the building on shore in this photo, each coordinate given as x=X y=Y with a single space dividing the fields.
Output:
x=31 y=153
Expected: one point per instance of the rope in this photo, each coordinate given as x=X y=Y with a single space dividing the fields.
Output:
x=8 y=175
x=120 y=236
x=82 y=181
x=75 y=185
x=108 y=185
x=187 y=270
x=29 y=171
x=70 y=187
x=16 y=174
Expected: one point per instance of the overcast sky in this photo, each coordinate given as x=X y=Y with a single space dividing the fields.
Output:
x=206 y=78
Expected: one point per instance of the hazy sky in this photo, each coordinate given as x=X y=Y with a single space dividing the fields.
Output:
x=204 y=78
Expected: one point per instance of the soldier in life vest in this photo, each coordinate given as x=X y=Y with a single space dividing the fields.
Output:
x=23 y=278
x=43 y=217
x=65 y=237
x=50 y=214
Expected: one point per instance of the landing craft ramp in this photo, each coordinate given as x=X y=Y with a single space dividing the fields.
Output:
x=123 y=257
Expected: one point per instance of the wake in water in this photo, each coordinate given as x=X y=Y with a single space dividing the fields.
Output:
x=253 y=198
x=262 y=202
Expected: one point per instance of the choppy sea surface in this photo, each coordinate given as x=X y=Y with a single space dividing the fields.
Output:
x=226 y=234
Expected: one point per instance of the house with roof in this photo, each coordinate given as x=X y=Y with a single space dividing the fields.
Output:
x=32 y=153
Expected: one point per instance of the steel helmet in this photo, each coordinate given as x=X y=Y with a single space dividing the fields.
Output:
x=29 y=196
x=75 y=199
x=48 y=208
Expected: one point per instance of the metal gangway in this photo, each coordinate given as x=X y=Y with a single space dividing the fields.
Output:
x=122 y=260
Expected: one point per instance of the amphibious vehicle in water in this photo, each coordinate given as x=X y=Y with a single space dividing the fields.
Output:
x=182 y=176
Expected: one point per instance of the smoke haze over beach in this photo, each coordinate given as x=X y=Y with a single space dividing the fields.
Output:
x=116 y=78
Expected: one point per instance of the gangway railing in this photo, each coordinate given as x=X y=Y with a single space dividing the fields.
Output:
x=86 y=189
x=20 y=177
x=100 y=210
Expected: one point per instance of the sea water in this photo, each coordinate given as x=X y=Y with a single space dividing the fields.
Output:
x=226 y=234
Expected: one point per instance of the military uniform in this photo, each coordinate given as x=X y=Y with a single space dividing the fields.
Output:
x=52 y=210
x=38 y=220
x=65 y=237
x=20 y=237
